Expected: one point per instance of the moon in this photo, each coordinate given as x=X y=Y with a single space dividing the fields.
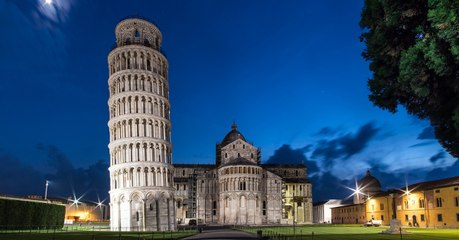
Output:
x=48 y=2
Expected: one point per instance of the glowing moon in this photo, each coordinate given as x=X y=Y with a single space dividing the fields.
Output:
x=49 y=2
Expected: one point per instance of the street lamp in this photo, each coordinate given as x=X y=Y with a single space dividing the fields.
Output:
x=46 y=190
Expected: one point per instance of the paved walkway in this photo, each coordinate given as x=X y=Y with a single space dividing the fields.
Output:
x=222 y=234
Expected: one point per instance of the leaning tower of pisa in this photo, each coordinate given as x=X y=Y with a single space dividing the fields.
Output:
x=141 y=171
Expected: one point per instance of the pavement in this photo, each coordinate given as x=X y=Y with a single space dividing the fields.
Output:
x=222 y=234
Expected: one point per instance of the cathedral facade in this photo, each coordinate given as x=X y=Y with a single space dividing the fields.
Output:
x=239 y=190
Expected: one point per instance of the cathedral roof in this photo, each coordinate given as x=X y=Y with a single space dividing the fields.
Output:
x=239 y=161
x=369 y=183
x=232 y=136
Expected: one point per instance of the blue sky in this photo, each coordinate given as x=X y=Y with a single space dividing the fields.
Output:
x=290 y=73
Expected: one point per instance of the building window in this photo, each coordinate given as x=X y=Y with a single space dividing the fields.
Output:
x=457 y=201
x=406 y=204
x=137 y=216
x=183 y=172
x=243 y=146
x=439 y=202
x=440 y=217
x=382 y=217
x=179 y=204
x=422 y=203
x=372 y=207
x=151 y=207
x=381 y=206
x=437 y=191
x=456 y=189
x=299 y=204
x=406 y=218
x=422 y=218
x=296 y=173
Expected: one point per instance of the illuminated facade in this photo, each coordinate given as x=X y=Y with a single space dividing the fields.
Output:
x=425 y=204
x=85 y=212
x=239 y=190
x=142 y=194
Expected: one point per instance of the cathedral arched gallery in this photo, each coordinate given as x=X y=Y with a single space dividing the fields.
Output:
x=149 y=192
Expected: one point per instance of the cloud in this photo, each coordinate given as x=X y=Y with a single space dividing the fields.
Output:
x=422 y=144
x=327 y=186
x=326 y=131
x=427 y=133
x=440 y=155
x=445 y=172
x=344 y=146
x=286 y=155
x=91 y=181
x=17 y=178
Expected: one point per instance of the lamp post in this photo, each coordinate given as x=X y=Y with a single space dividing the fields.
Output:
x=46 y=190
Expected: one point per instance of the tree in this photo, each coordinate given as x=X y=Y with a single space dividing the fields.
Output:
x=413 y=50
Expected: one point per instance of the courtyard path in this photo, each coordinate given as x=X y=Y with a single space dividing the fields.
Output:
x=222 y=234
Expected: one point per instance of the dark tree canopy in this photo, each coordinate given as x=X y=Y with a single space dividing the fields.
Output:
x=413 y=50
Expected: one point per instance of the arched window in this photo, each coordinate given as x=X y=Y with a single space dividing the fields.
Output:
x=137 y=34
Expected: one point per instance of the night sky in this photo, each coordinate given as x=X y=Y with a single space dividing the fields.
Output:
x=289 y=73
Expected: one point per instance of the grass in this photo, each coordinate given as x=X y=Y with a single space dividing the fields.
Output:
x=96 y=235
x=352 y=232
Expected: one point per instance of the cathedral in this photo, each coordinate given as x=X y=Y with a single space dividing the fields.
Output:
x=150 y=193
x=239 y=190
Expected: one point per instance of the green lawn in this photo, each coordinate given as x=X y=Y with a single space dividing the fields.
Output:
x=89 y=235
x=352 y=232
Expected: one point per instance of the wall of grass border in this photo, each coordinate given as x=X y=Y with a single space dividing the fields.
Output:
x=23 y=214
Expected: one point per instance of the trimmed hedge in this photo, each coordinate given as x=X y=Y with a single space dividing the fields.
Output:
x=19 y=214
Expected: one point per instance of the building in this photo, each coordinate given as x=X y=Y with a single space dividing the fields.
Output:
x=239 y=190
x=84 y=211
x=349 y=214
x=322 y=211
x=141 y=185
x=354 y=213
x=425 y=204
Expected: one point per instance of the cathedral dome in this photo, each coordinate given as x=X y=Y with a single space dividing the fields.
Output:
x=369 y=183
x=232 y=136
